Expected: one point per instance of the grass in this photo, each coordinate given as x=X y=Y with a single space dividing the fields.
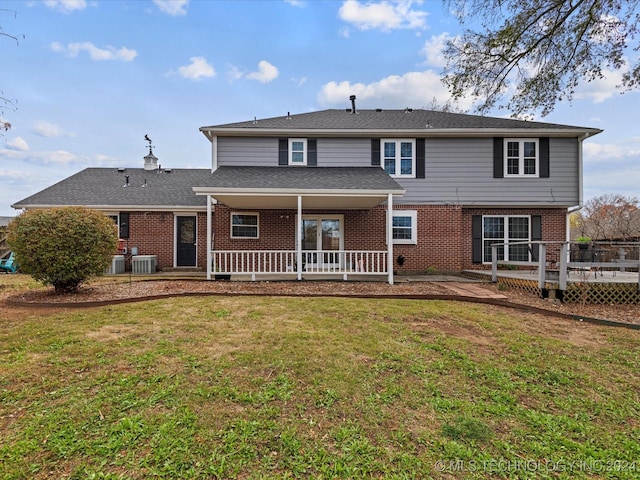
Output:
x=244 y=387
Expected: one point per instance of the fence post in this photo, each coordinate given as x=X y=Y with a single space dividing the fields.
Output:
x=494 y=263
x=564 y=255
x=623 y=257
x=542 y=264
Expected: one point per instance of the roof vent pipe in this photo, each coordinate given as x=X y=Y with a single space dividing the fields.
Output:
x=353 y=103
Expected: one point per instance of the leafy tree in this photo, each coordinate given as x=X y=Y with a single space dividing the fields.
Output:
x=538 y=51
x=610 y=217
x=63 y=247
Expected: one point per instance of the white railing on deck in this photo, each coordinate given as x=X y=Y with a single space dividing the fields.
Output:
x=286 y=261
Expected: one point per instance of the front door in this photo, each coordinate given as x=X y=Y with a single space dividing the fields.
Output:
x=322 y=237
x=186 y=241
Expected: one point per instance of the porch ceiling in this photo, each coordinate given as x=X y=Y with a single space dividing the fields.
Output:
x=279 y=187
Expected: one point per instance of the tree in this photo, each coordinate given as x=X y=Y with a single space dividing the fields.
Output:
x=538 y=51
x=63 y=247
x=6 y=102
x=609 y=217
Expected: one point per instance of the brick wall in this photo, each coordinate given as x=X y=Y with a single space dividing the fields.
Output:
x=444 y=233
x=153 y=233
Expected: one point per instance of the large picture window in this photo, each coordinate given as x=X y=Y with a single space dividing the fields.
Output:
x=506 y=229
x=244 y=225
x=399 y=157
x=405 y=227
x=521 y=157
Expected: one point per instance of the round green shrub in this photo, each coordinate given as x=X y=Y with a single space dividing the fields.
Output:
x=63 y=247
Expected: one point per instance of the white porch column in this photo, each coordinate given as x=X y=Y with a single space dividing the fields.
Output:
x=299 y=239
x=209 y=237
x=390 y=239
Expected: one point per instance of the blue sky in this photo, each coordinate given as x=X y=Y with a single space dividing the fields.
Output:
x=91 y=78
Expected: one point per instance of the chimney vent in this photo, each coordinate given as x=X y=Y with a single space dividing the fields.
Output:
x=353 y=103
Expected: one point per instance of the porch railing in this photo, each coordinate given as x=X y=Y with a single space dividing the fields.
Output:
x=256 y=262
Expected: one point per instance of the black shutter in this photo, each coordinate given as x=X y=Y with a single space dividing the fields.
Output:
x=476 y=226
x=375 y=152
x=124 y=224
x=544 y=157
x=420 y=158
x=283 y=151
x=536 y=235
x=312 y=152
x=498 y=157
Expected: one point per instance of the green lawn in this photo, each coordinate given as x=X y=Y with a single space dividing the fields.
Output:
x=243 y=387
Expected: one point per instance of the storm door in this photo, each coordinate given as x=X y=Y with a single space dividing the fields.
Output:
x=322 y=241
x=186 y=241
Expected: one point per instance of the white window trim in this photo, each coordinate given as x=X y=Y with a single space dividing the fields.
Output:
x=506 y=232
x=231 y=225
x=521 y=158
x=414 y=227
x=304 y=153
x=398 y=141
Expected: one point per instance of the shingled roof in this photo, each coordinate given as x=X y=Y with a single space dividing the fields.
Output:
x=300 y=178
x=378 y=120
x=104 y=188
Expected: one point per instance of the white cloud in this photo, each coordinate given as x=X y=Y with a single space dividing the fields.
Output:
x=234 y=73
x=600 y=89
x=172 y=7
x=95 y=53
x=265 y=74
x=384 y=15
x=197 y=69
x=46 y=129
x=603 y=152
x=18 y=144
x=413 y=89
x=58 y=157
x=66 y=6
x=295 y=3
x=433 y=49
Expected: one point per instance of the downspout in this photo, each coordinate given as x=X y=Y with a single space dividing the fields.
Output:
x=578 y=207
x=390 y=239
x=299 y=239
x=214 y=152
x=209 y=238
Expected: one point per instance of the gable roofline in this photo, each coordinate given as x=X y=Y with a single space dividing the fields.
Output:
x=396 y=123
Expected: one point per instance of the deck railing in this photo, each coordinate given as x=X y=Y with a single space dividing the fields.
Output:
x=562 y=258
x=257 y=262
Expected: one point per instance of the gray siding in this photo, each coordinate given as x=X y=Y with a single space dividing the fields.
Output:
x=458 y=170
x=344 y=152
x=332 y=152
x=247 y=152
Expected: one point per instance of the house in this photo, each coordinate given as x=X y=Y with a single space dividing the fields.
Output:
x=345 y=192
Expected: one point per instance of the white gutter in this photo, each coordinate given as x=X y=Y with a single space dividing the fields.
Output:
x=113 y=208
x=413 y=132
x=292 y=192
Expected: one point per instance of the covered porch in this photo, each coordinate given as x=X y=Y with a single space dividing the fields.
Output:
x=320 y=201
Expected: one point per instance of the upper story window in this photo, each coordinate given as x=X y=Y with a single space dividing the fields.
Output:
x=297 y=151
x=399 y=157
x=244 y=225
x=521 y=157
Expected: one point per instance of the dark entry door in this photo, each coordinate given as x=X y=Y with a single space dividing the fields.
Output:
x=186 y=241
